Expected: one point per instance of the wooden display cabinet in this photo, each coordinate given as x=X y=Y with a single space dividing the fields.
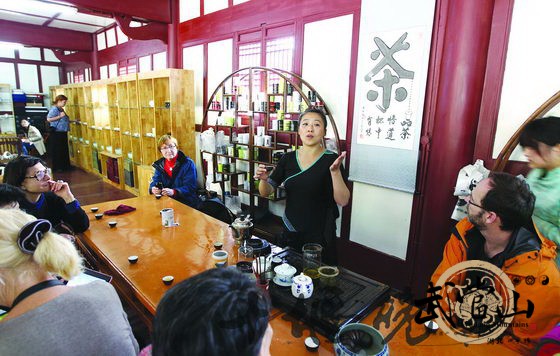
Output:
x=244 y=101
x=145 y=174
x=166 y=101
x=134 y=119
x=122 y=118
x=127 y=106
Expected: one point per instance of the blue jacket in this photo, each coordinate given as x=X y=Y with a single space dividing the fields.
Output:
x=183 y=179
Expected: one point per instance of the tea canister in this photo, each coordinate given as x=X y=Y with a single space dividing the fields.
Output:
x=302 y=286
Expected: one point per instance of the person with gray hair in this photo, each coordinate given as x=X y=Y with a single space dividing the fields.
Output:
x=44 y=316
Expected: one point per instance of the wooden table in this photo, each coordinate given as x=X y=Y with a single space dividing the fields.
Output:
x=185 y=250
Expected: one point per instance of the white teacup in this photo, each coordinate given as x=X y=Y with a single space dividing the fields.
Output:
x=220 y=258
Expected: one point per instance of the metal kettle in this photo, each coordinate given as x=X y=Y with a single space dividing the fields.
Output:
x=242 y=228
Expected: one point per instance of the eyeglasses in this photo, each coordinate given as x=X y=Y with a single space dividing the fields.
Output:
x=40 y=175
x=471 y=203
x=170 y=147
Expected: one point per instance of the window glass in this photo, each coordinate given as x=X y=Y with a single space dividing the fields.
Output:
x=8 y=74
x=280 y=53
x=249 y=55
x=219 y=62
x=30 y=53
x=188 y=9
x=160 y=60
x=111 y=37
x=49 y=55
x=7 y=52
x=112 y=70
x=214 y=5
x=28 y=78
x=121 y=37
x=145 y=64
x=49 y=76
x=103 y=72
x=101 y=44
x=193 y=59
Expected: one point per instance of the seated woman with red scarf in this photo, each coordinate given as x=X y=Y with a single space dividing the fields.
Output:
x=175 y=173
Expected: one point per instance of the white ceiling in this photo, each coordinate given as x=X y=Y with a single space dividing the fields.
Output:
x=51 y=13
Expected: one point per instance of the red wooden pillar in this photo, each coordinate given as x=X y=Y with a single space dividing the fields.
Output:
x=172 y=29
x=94 y=62
x=452 y=116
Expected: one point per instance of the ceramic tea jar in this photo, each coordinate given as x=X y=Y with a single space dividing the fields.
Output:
x=302 y=286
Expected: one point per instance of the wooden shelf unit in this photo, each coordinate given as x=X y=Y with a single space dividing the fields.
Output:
x=7 y=115
x=121 y=119
x=244 y=100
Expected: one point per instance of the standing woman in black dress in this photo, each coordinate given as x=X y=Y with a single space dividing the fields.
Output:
x=58 y=137
x=314 y=183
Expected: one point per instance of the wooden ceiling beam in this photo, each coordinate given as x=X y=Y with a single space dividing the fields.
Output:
x=49 y=37
x=153 y=10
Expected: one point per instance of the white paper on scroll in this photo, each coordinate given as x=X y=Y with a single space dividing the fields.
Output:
x=391 y=75
x=387 y=94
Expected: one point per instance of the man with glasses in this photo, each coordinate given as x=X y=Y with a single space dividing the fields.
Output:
x=175 y=173
x=498 y=230
x=45 y=198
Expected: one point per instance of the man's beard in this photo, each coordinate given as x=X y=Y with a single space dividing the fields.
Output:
x=477 y=220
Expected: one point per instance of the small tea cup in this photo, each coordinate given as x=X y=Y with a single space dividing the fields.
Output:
x=98 y=216
x=132 y=259
x=312 y=343
x=158 y=196
x=112 y=224
x=220 y=258
x=94 y=210
x=431 y=326
x=328 y=275
x=167 y=280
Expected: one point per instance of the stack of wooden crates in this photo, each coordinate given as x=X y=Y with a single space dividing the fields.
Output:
x=115 y=123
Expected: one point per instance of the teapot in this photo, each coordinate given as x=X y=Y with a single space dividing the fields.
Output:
x=302 y=286
x=242 y=229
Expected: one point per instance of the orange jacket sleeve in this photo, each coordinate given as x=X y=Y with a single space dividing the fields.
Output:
x=454 y=251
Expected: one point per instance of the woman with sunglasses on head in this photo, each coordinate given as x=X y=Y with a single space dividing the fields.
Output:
x=314 y=183
x=44 y=197
x=175 y=173
x=540 y=140
x=46 y=317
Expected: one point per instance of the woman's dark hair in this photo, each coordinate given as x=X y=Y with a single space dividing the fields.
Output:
x=546 y=130
x=217 y=312
x=10 y=194
x=16 y=169
x=511 y=199
x=59 y=98
x=317 y=111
